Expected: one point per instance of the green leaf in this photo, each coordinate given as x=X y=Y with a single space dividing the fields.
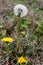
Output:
x=12 y=48
x=38 y=30
x=32 y=37
x=1 y=26
x=27 y=22
x=24 y=26
x=5 y=56
x=28 y=48
x=37 y=11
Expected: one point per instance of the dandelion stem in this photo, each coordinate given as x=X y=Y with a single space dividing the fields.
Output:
x=6 y=47
x=18 y=28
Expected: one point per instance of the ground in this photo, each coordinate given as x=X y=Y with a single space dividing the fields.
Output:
x=33 y=32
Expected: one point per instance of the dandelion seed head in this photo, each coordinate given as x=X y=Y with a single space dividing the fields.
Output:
x=20 y=9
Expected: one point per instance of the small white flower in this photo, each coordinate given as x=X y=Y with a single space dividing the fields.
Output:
x=20 y=9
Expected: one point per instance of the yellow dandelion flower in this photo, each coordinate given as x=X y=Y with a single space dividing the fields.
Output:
x=22 y=60
x=7 y=39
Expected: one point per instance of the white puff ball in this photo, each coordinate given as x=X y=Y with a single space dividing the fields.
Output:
x=21 y=8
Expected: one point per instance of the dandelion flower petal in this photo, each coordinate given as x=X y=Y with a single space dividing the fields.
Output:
x=7 y=39
x=22 y=60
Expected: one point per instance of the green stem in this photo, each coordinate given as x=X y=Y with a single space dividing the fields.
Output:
x=6 y=47
x=18 y=28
